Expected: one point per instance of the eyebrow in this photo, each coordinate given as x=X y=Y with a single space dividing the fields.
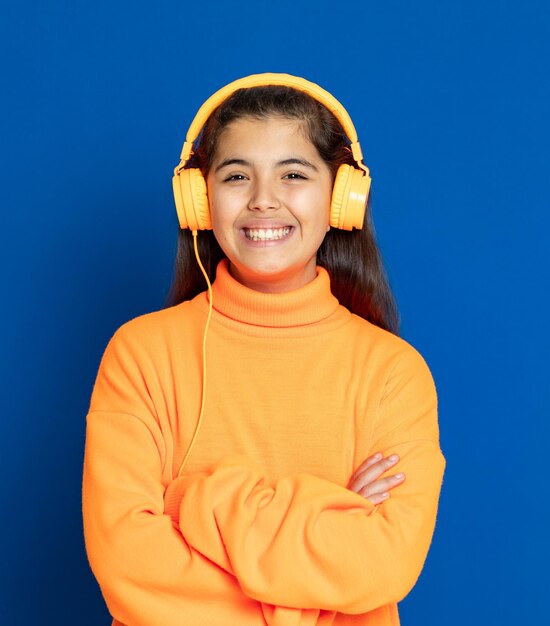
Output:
x=227 y=162
x=296 y=161
x=244 y=163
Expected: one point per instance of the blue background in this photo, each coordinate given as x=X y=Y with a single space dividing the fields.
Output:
x=450 y=100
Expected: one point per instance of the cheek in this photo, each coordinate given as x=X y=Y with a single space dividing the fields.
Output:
x=223 y=202
x=223 y=215
x=318 y=208
x=220 y=228
x=218 y=208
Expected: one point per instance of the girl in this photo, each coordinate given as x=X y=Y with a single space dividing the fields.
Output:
x=275 y=508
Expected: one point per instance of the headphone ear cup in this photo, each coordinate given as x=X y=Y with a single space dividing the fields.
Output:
x=350 y=193
x=191 y=200
x=178 y=199
x=339 y=190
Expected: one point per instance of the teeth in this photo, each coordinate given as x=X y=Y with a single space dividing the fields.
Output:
x=269 y=234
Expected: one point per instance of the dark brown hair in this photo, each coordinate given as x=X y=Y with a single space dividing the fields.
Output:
x=352 y=259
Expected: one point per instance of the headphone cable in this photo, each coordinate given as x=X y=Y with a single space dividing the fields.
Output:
x=203 y=393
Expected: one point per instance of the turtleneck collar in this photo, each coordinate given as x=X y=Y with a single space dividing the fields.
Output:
x=310 y=304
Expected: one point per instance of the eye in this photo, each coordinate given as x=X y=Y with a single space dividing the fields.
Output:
x=234 y=177
x=295 y=176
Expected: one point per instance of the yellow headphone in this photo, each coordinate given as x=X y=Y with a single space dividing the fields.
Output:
x=351 y=186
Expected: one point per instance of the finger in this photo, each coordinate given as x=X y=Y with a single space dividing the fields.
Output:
x=382 y=486
x=370 y=474
x=368 y=462
x=378 y=498
x=371 y=460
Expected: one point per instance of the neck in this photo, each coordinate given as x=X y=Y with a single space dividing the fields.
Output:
x=274 y=282
x=250 y=310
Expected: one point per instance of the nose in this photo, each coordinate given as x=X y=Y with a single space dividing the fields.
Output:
x=263 y=196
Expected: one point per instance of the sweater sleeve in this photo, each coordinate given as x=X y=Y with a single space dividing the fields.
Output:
x=147 y=572
x=305 y=542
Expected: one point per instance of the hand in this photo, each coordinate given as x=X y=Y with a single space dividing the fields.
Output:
x=364 y=480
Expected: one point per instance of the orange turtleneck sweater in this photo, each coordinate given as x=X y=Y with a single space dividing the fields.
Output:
x=260 y=527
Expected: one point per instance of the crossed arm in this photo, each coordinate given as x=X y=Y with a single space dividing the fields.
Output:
x=231 y=539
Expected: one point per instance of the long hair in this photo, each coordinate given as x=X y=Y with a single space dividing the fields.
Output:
x=352 y=258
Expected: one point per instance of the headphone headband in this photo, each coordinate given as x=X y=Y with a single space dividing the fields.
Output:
x=260 y=80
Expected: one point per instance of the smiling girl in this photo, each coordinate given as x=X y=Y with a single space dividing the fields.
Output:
x=240 y=442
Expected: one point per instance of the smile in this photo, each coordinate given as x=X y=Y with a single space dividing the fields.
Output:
x=267 y=234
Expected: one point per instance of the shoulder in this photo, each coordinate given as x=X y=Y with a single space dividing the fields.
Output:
x=406 y=393
x=157 y=330
x=395 y=353
x=152 y=322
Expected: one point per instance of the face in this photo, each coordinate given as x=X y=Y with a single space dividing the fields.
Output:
x=269 y=192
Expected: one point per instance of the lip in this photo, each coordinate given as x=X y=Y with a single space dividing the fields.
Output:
x=265 y=224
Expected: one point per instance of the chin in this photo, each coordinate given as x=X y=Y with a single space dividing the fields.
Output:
x=272 y=278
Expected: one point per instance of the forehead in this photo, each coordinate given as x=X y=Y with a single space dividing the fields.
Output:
x=272 y=135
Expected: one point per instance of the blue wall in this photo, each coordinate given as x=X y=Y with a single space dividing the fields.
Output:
x=450 y=100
